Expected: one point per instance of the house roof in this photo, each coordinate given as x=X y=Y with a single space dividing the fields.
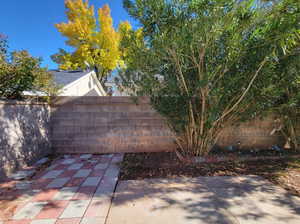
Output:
x=66 y=77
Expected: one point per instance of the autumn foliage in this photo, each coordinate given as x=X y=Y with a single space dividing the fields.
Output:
x=96 y=43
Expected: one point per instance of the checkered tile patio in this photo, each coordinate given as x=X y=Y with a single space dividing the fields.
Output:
x=75 y=189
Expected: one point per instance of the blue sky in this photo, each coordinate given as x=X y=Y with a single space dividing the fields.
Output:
x=29 y=24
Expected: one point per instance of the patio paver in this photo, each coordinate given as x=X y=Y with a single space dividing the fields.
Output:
x=84 y=193
x=24 y=185
x=63 y=193
x=43 y=221
x=98 y=208
x=87 y=199
x=52 y=210
x=75 y=209
x=92 y=221
x=68 y=161
x=101 y=166
x=75 y=166
x=68 y=221
x=58 y=182
x=52 y=174
x=83 y=173
x=30 y=210
x=91 y=181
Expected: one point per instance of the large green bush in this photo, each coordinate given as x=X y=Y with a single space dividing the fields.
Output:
x=209 y=63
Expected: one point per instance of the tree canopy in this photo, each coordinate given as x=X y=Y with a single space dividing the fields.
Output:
x=209 y=63
x=96 y=42
x=19 y=72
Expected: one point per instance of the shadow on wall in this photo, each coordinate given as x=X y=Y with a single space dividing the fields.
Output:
x=24 y=134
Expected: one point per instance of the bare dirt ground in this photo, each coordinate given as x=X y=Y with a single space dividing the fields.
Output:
x=283 y=172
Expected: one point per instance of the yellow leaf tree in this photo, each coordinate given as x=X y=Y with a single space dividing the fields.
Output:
x=96 y=44
x=130 y=41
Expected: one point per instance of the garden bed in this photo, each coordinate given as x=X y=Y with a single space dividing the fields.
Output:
x=273 y=151
x=281 y=170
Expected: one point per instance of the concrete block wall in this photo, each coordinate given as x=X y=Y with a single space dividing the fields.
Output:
x=30 y=130
x=107 y=124
x=255 y=134
x=117 y=124
x=24 y=134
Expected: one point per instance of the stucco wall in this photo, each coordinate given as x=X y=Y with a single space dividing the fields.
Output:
x=24 y=134
x=116 y=124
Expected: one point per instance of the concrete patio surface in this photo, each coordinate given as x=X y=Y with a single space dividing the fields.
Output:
x=74 y=189
x=220 y=200
x=81 y=189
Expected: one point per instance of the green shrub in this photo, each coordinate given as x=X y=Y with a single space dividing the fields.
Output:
x=20 y=72
x=217 y=62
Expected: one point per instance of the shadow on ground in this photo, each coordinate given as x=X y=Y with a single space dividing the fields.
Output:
x=244 y=199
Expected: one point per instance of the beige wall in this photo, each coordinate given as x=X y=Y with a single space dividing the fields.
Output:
x=107 y=124
x=99 y=125
x=24 y=134
x=255 y=134
x=116 y=124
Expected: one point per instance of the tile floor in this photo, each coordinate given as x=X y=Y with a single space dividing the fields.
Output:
x=75 y=189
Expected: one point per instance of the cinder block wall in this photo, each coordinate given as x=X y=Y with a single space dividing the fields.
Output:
x=100 y=125
x=255 y=134
x=116 y=124
x=24 y=134
x=107 y=124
